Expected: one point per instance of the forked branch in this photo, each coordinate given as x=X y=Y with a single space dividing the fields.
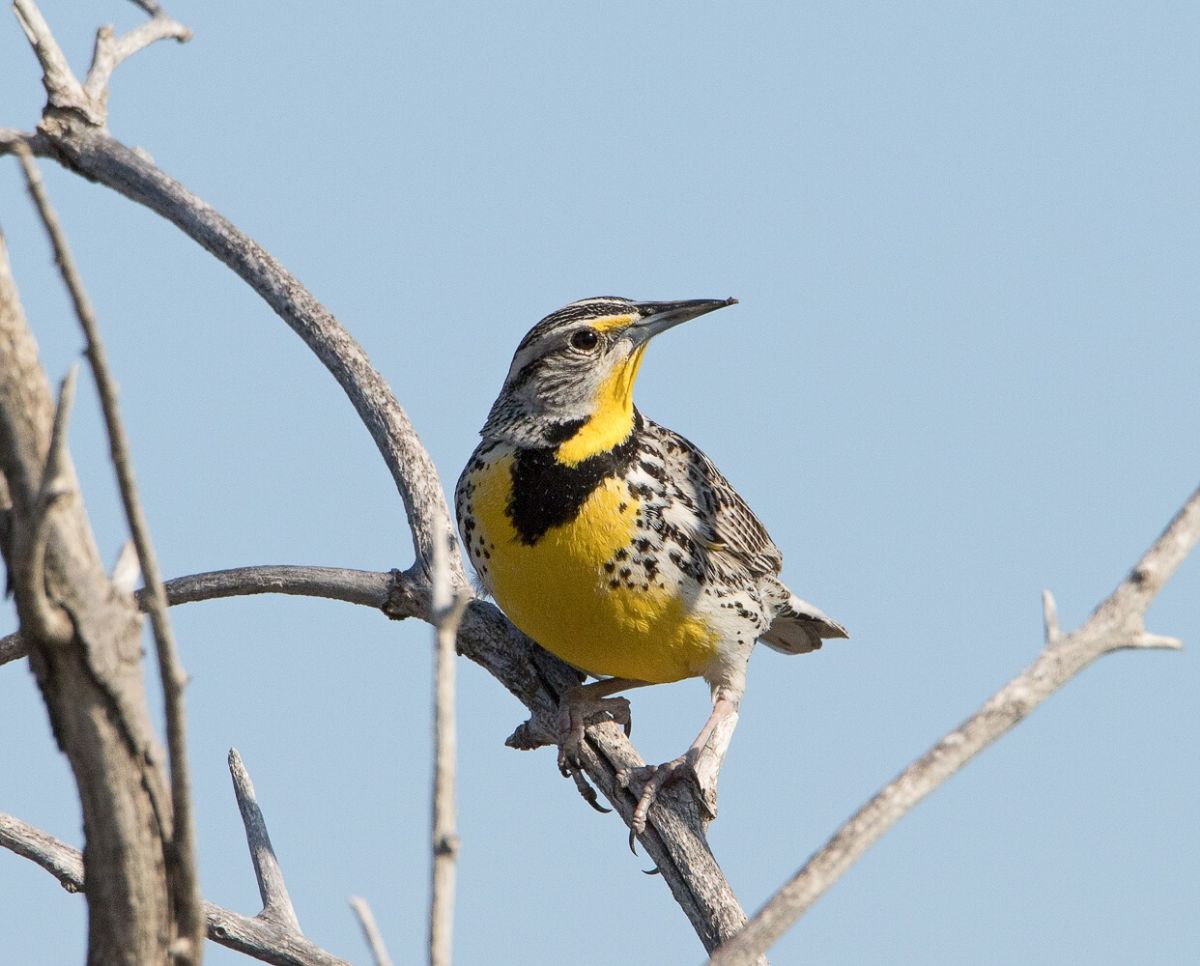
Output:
x=255 y=937
x=89 y=101
x=1119 y=622
x=675 y=841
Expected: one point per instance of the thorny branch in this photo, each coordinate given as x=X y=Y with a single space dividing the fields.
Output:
x=1118 y=623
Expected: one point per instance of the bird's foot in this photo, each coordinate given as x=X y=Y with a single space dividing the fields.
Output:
x=653 y=779
x=577 y=712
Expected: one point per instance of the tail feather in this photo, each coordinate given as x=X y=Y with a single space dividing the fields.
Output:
x=799 y=627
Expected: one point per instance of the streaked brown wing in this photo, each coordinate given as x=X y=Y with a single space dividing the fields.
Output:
x=727 y=525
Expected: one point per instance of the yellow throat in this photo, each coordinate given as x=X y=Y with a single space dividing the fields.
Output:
x=612 y=420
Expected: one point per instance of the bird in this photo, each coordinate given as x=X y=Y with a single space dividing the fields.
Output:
x=615 y=543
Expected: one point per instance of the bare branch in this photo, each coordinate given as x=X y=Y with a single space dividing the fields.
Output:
x=449 y=602
x=262 y=940
x=1050 y=617
x=12 y=648
x=277 y=904
x=1117 y=623
x=675 y=840
x=371 y=932
x=183 y=876
x=62 y=86
x=365 y=587
x=11 y=140
x=99 y=157
x=92 y=687
x=57 y=858
x=111 y=50
x=89 y=101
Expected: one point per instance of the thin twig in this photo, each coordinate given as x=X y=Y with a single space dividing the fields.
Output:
x=277 y=904
x=258 y=938
x=183 y=876
x=1117 y=623
x=449 y=602
x=1050 y=618
x=110 y=50
x=371 y=933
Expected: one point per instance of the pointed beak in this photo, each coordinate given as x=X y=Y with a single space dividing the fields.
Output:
x=657 y=317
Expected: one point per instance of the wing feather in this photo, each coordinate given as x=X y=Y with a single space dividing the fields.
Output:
x=726 y=526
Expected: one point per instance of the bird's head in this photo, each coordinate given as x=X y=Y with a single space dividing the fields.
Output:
x=571 y=381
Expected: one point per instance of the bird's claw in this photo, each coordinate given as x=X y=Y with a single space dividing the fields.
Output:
x=653 y=779
x=575 y=716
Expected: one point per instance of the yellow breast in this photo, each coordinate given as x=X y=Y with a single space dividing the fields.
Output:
x=559 y=592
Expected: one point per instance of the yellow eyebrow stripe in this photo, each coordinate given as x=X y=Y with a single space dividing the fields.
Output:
x=610 y=322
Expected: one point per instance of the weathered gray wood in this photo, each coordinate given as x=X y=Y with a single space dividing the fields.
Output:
x=182 y=874
x=261 y=939
x=1118 y=623
x=91 y=683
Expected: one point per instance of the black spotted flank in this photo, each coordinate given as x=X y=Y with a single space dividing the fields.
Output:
x=546 y=493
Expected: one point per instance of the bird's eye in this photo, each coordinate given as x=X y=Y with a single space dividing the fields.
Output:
x=585 y=339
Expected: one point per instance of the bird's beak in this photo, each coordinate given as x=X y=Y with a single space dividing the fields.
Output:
x=657 y=317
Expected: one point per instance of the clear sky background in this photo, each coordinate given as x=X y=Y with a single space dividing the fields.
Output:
x=965 y=367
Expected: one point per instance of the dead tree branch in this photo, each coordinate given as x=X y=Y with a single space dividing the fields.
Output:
x=366 y=919
x=91 y=682
x=365 y=587
x=88 y=101
x=253 y=936
x=182 y=874
x=72 y=133
x=76 y=139
x=1118 y=623
x=449 y=602
x=277 y=904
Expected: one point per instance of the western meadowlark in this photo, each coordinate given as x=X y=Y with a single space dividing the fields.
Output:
x=614 y=542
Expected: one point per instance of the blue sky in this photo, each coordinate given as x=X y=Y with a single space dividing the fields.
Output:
x=964 y=368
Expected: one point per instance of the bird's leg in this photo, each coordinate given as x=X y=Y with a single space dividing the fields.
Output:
x=586 y=705
x=701 y=762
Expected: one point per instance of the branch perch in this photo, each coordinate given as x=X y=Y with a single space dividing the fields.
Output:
x=1119 y=622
